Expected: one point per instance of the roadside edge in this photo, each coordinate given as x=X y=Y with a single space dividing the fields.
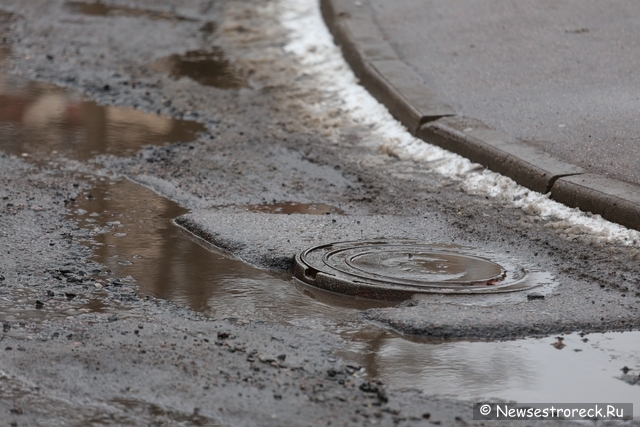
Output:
x=397 y=86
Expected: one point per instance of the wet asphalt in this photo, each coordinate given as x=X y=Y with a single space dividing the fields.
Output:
x=95 y=349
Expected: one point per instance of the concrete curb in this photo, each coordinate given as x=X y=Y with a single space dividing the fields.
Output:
x=381 y=72
x=410 y=101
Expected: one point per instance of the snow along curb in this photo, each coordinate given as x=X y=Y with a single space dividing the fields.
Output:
x=398 y=87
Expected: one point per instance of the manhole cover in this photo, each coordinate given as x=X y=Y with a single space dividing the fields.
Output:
x=395 y=270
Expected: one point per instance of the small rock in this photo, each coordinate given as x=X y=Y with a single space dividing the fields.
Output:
x=39 y=304
x=281 y=357
x=112 y=318
x=352 y=369
x=625 y=370
x=630 y=379
x=369 y=387
x=6 y=327
x=223 y=335
x=534 y=296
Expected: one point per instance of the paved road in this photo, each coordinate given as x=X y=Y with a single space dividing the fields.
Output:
x=559 y=74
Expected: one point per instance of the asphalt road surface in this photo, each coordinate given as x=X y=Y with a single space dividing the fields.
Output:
x=556 y=74
x=105 y=318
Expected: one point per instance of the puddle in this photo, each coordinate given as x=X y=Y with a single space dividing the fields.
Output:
x=209 y=67
x=100 y=9
x=288 y=208
x=40 y=119
x=140 y=240
x=26 y=306
x=531 y=370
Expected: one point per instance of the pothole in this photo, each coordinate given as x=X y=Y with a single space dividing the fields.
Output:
x=209 y=67
x=585 y=368
x=397 y=270
x=26 y=306
x=39 y=119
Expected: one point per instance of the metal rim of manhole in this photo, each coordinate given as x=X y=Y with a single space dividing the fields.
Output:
x=398 y=269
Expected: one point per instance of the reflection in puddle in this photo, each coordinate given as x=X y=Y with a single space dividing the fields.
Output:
x=207 y=67
x=40 y=119
x=293 y=208
x=587 y=369
x=99 y=9
x=141 y=241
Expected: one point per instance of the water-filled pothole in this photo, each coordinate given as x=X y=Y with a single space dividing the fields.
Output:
x=134 y=235
x=397 y=270
x=586 y=368
x=41 y=119
x=101 y=9
x=209 y=67
x=26 y=306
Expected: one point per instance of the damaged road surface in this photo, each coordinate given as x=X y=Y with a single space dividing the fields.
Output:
x=163 y=163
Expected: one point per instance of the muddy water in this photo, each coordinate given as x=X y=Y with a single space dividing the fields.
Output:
x=39 y=119
x=134 y=236
x=209 y=67
x=581 y=369
x=137 y=238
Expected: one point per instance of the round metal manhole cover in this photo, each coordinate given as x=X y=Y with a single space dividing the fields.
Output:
x=395 y=270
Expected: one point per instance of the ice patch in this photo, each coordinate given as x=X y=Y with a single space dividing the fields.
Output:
x=321 y=62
